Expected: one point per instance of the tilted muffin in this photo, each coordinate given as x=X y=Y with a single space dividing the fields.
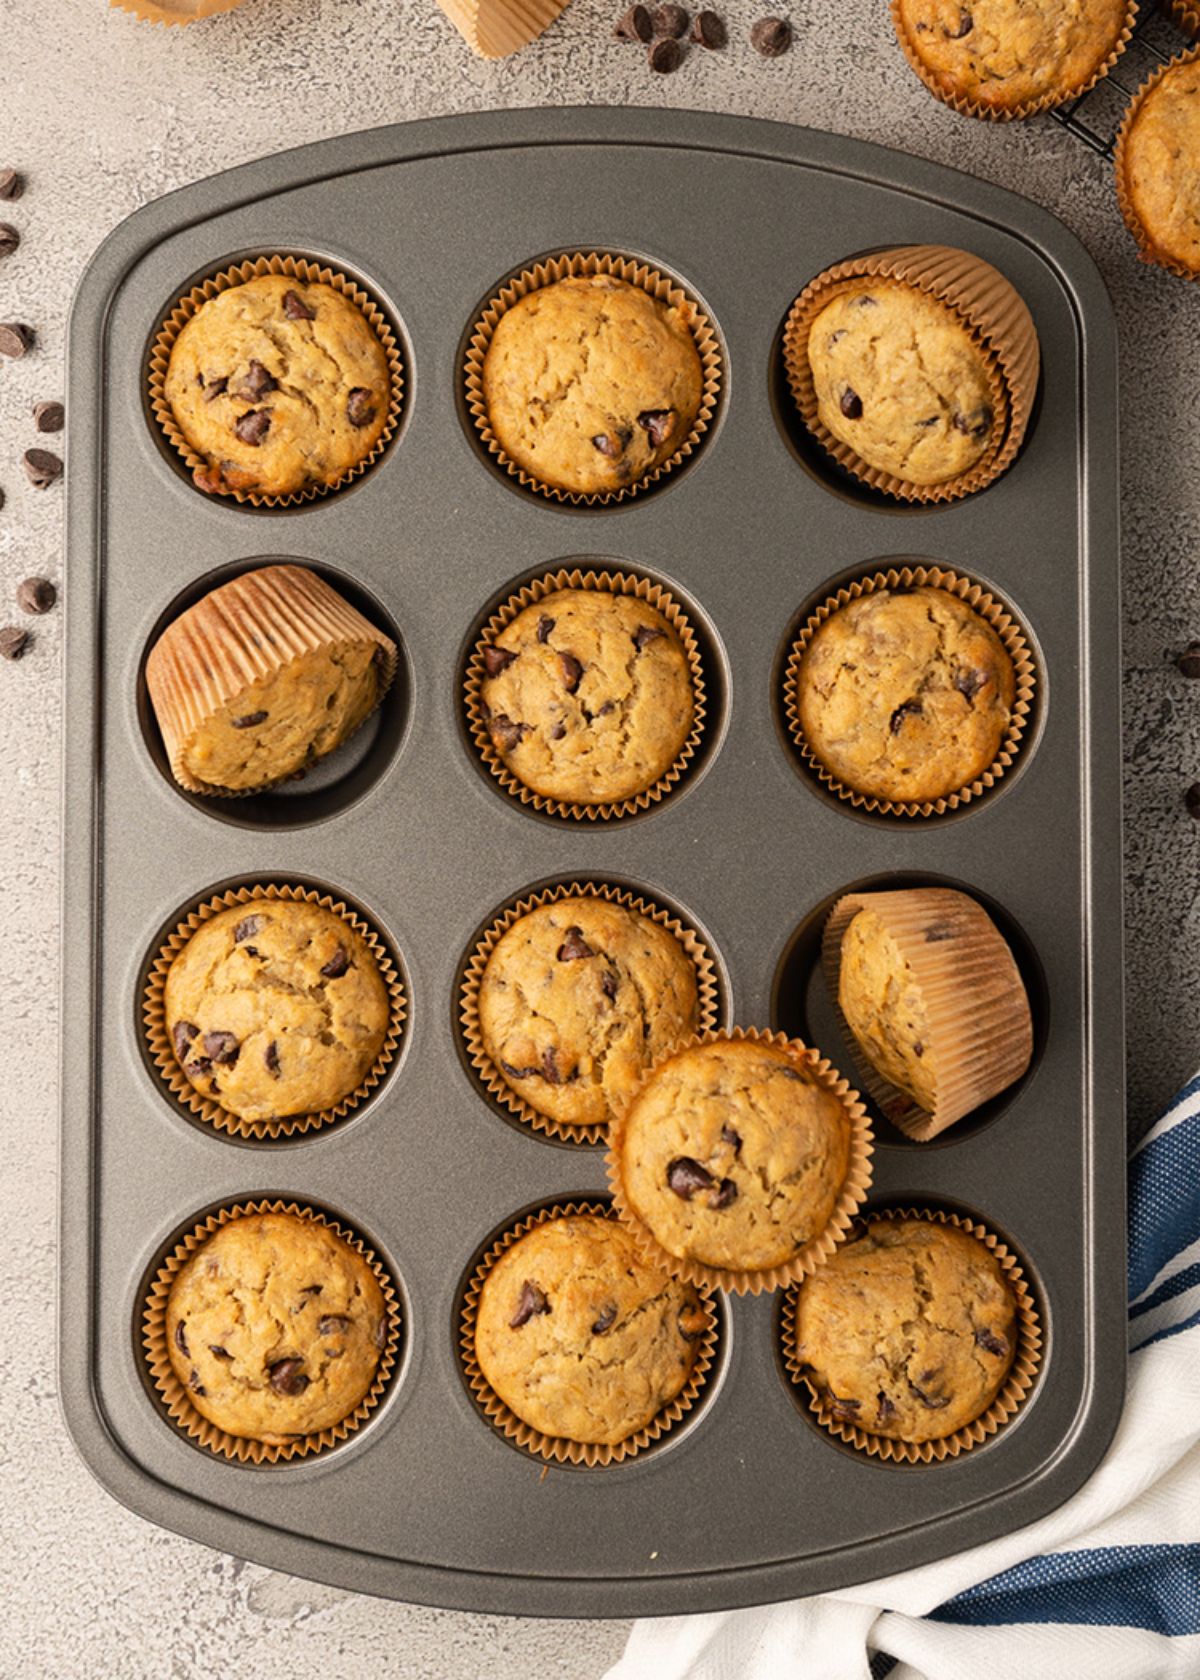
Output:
x=884 y=1007
x=733 y=1155
x=280 y=384
x=579 y=998
x=587 y=696
x=580 y=1337
x=901 y=381
x=1003 y=56
x=909 y=1331
x=590 y=383
x=1158 y=167
x=276 y=1007
x=906 y=695
x=275 y=1327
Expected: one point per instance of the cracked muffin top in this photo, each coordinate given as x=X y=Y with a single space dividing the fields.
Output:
x=275 y=1327
x=276 y=1007
x=579 y=998
x=580 y=1336
x=906 y=695
x=1003 y=54
x=590 y=383
x=1160 y=163
x=280 y=384
x=901 y=382
x=733 y=1155
x=909 y=1330
x=587 y=696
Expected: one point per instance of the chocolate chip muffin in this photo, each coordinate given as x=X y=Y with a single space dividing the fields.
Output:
x=276 y=1007
x=581 y=1337
x=1003 y=56
x=884 y=1007
x=280 y=384
x=591 y=383
x=275 y=1327
x=1158 y=167
x=905 y=695
x=587 y=696
x=908 y=1331
x=580 y=997
x=732 y=1154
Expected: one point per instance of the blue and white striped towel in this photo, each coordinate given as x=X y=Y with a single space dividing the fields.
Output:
x=1108 y=1585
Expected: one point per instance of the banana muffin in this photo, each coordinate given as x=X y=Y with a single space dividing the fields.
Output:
x=280 y=384
x=905 y=695
x=908 y=1331
x=275 y=1327
x=587 y=696
x=276 y=1007
x=884 y=1007
x=590 y=383
x=733 y=1155
x=900 y=380
x=1158 y=166
x=1006 y=55
x=579 y=998
x=581 y=1337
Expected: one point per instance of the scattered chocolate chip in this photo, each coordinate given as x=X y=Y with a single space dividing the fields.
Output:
x=271 y=1058
x=219 y=1352
x=196 y=1386
x=257 y=383
x=550 y=1071
x=295 y=308
x=332 y=1324
x=930 y=420
x=771 y=36
x=361 y=407
x=545 y=626
x=965 y=25
x=608 y=984
x=635 y=25
x=685 y=1176
x=250 y=721
x=12 y=185
x=732 y=1138
x=607 y=445
x=977 y=424
x=844 y=1408
x=181 y=1339
x=968 y=682
x=708 y=30
x=246 y=928
x=497 y=659
x=215 y=387
x=222 y=1047
x=918 y=1049
x=658 y=423
x=644 y=634
x=886 y=1409
x=49 y=416
x=9 y=239
x=1188 y=662
x=791 y=1073
x=910 y=708
x=574 y=946
x=1191 y=798
x=311 y=1289
x=530 y=1304
x=182 y=1034
x=15 y=338
x=990 y=1342
x=851 y=404
x=725 y=1193
x=286 y=1377
x=253 y=426
x=934 y=1402
x=670 y=21
x=572 y=671
x=558 y=732
x=36 y=595
x=41 y=468
x=519 y=1073
x=606 y=1320
x=337 y=965
x=505 y=733
x=865 y=300
x=198 y=1068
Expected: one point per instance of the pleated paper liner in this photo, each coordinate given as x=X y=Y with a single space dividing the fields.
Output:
x=992 y=312
x=1148 y=250
x=968 y=107
x=174 y=11
x=557 y=1449
x=157 y=1029
x=1001 y=621
x=979 y=1022
x=238 y=635
x=490 y=1077
x=1008 y=1401
x=613 y=583
x=1184 y=15
x=183 y=1414
x=853 y=1192
x=310 y=273
x=572 y=265
x=495 y=28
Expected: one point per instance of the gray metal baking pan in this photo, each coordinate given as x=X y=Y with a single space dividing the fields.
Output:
x=748 y=1502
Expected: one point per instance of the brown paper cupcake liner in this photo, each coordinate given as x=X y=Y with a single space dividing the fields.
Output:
x=158 y=1038
x=613 y=583
x=990 y=309
x=239 y=634
x=174 y=11
x=1184 y=15
x=853 y=1193
x=1008 y=1401
x=493 y=1083
x=174 y=1396
x=978 y=1011
x=1001 y=621
x=495 y=28
x=557 y=1449
x=1148 y=251
x=968 y=107
x=575 y=264
x=296 y=268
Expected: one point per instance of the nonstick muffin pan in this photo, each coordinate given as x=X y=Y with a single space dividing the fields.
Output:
x=745 y=1500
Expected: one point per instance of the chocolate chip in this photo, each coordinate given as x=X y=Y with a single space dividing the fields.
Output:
x=725 y=1193
x=550 y=1071
x=572 y=671
x=968 y=682
x=977 y=424
x=670 y=20
x=1188 y=662
x=918 y=1049
x=286 y=1377
x=844 y=1408
x=658 y=423
x=295 y=308
x=606 y=1320
x=864 y=300
x=934 y=1402
x=558 y=732
x=930 y=420
x=965 y=25
x=708 y=30
x=332 y=1324
x=497 y=659
x=732 y=1138
x=910 y=708
x=990 y=1342
x=644 y=634
x=198 y=1068
x=574 y=946
x=311 y=1289
x=222 y=1047
x=215 y=387
x=886 y=1409
x=608 y=983
x=256 y=383
x=250 y=721
x=253 y=426
x=12 y=185
x=41 y=468
x=635 y=25
x=505 y=733
x=9 y=239
x=182 y=1034
x=49 y=416
x=271 y=1058
x=771 y=36
x=606 y=445
x=15 y=338
x=545 y=626
x=361 y=408
x=247 y=928
x=851 y=404
x=337 y=965
x=519 y=1073
x=196 y=1386
x=181 y=1339
x=36 y=595
x=219 y=1352
x=685 y=1176
x=531 y=1303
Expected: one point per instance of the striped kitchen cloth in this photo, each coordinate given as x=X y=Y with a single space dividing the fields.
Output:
x=1108 y=1585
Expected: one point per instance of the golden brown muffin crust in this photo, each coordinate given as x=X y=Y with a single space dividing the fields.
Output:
x=885 y=1009
x=1160 y=162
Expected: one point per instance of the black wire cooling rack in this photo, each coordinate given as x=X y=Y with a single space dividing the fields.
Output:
x=1096 y=115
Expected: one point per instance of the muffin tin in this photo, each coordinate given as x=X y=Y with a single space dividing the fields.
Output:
x=748 y=1501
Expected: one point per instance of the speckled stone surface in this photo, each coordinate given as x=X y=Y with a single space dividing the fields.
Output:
x=103 y=113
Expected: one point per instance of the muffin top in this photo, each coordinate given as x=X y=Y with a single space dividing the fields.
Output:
x=276 y=1007
x=733 y=1155
x=901 y=382
x=275 y=1327
x=906 y=695
x=1006 y=53
x=587 y=696
x=580 y=1336
x=885 y=1010
x=279 y=384
x=590 y=383
x=579 y=998
x=1160 y=162
x=909 y=1331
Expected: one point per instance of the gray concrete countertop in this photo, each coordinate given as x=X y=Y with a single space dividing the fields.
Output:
x=102 y=113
